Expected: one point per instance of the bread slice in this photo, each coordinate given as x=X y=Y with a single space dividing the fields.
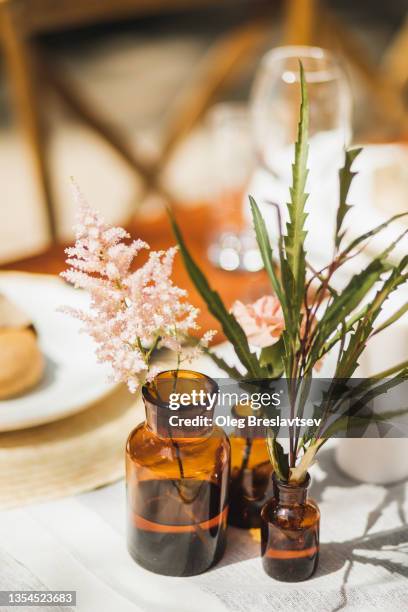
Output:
x=21 y=361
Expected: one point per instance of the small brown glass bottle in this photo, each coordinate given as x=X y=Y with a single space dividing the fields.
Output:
x=290 y=533
x=177 y=481
x=251 y=482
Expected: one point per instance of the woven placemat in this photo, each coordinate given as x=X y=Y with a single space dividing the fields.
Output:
x=78 y=453
x=69 y=456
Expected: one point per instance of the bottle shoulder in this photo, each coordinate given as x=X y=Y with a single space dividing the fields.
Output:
x=302 y=516
x=144 y=445
x=143 y=433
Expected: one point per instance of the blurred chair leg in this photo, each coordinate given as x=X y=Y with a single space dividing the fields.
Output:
x=395 y=60
x=219 y=66
x=21 y=67
x=384 y=93
x=77 y=103
x=300 y=22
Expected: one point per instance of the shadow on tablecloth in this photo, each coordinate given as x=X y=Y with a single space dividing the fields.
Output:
x=337 y=555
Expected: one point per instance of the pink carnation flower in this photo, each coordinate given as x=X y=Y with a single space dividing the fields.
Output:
x=262 y=321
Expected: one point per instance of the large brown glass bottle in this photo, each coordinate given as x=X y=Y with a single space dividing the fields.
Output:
x=177 y=481
x=251 y=482
x=290 y=533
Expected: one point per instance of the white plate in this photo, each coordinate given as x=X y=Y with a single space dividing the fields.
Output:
x=73 y=379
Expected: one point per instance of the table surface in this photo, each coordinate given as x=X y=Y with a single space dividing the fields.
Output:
x=196 y=226
x=79 y=544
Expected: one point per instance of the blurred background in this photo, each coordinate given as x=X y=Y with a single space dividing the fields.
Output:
x=144 y=102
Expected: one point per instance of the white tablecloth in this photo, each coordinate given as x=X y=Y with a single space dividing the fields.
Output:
x=79 y=544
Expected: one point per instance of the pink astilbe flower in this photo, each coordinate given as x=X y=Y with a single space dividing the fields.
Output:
x=262 y=321
x=190 y=354
x=131 y=312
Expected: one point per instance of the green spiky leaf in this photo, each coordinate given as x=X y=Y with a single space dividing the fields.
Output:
x=223 y=365
x=376 y=230
x=265 y=248
x=352 y=295
x=271 y=357
x=392 y=319
x=366 y=383
x=277 y=456
x=345 y=303
x=346 y=177
x=348 y=362
x=230 y=325
x=294 y=267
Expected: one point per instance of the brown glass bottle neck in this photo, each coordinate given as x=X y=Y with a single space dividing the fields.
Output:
x=290 y=494
x=187 y=420
x=184 y=423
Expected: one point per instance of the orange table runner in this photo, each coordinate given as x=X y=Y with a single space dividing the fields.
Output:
x=196 y=226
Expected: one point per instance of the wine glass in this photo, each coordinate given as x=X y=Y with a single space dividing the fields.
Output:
x=274 y=104
x=275 y=100
x=232 y=244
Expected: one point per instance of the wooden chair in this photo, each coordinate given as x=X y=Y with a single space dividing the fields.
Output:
x=30 y=72
x=312 y=22
x=306 y=22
